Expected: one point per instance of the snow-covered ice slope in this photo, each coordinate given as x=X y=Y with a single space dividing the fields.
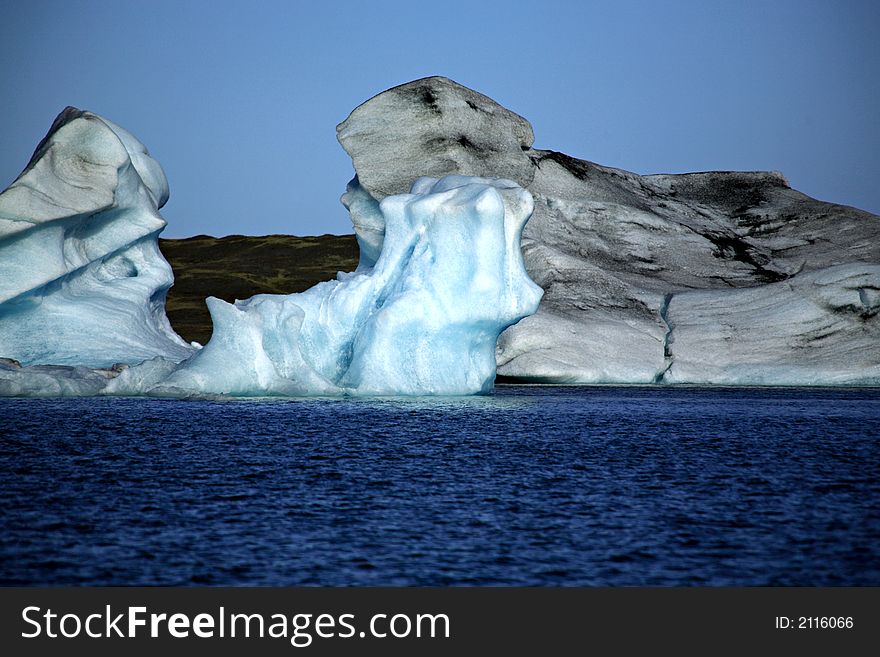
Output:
x=82 y=281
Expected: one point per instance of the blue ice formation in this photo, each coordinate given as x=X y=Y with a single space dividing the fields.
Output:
x=82 y=287
x=82 y=281
x=440 y=278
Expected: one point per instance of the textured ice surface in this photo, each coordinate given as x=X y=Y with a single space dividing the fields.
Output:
x=441 y=278
x=423 y=318
x=717 y=277
x=82 y=281
x=828 y=318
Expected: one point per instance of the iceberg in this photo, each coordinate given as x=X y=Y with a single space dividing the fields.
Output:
x=423 y=318
x=441 y=276
x=719 y=277
x=82 y=280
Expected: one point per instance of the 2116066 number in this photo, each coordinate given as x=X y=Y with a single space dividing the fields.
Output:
x=825 y=622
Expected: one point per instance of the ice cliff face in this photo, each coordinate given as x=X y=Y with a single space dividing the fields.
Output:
x=716 y=277
x=82 y=281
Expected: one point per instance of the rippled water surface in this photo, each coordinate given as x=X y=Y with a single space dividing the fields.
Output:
x=529 y=486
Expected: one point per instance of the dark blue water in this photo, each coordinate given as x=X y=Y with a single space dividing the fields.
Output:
x=529 y=486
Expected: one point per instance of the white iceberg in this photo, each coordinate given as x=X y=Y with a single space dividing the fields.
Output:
x=719 y=277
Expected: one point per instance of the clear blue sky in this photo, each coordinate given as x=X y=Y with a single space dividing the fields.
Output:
x=239 y=100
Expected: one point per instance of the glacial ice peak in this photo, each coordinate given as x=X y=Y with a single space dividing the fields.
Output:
x=149 y=170
x=82 y=281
